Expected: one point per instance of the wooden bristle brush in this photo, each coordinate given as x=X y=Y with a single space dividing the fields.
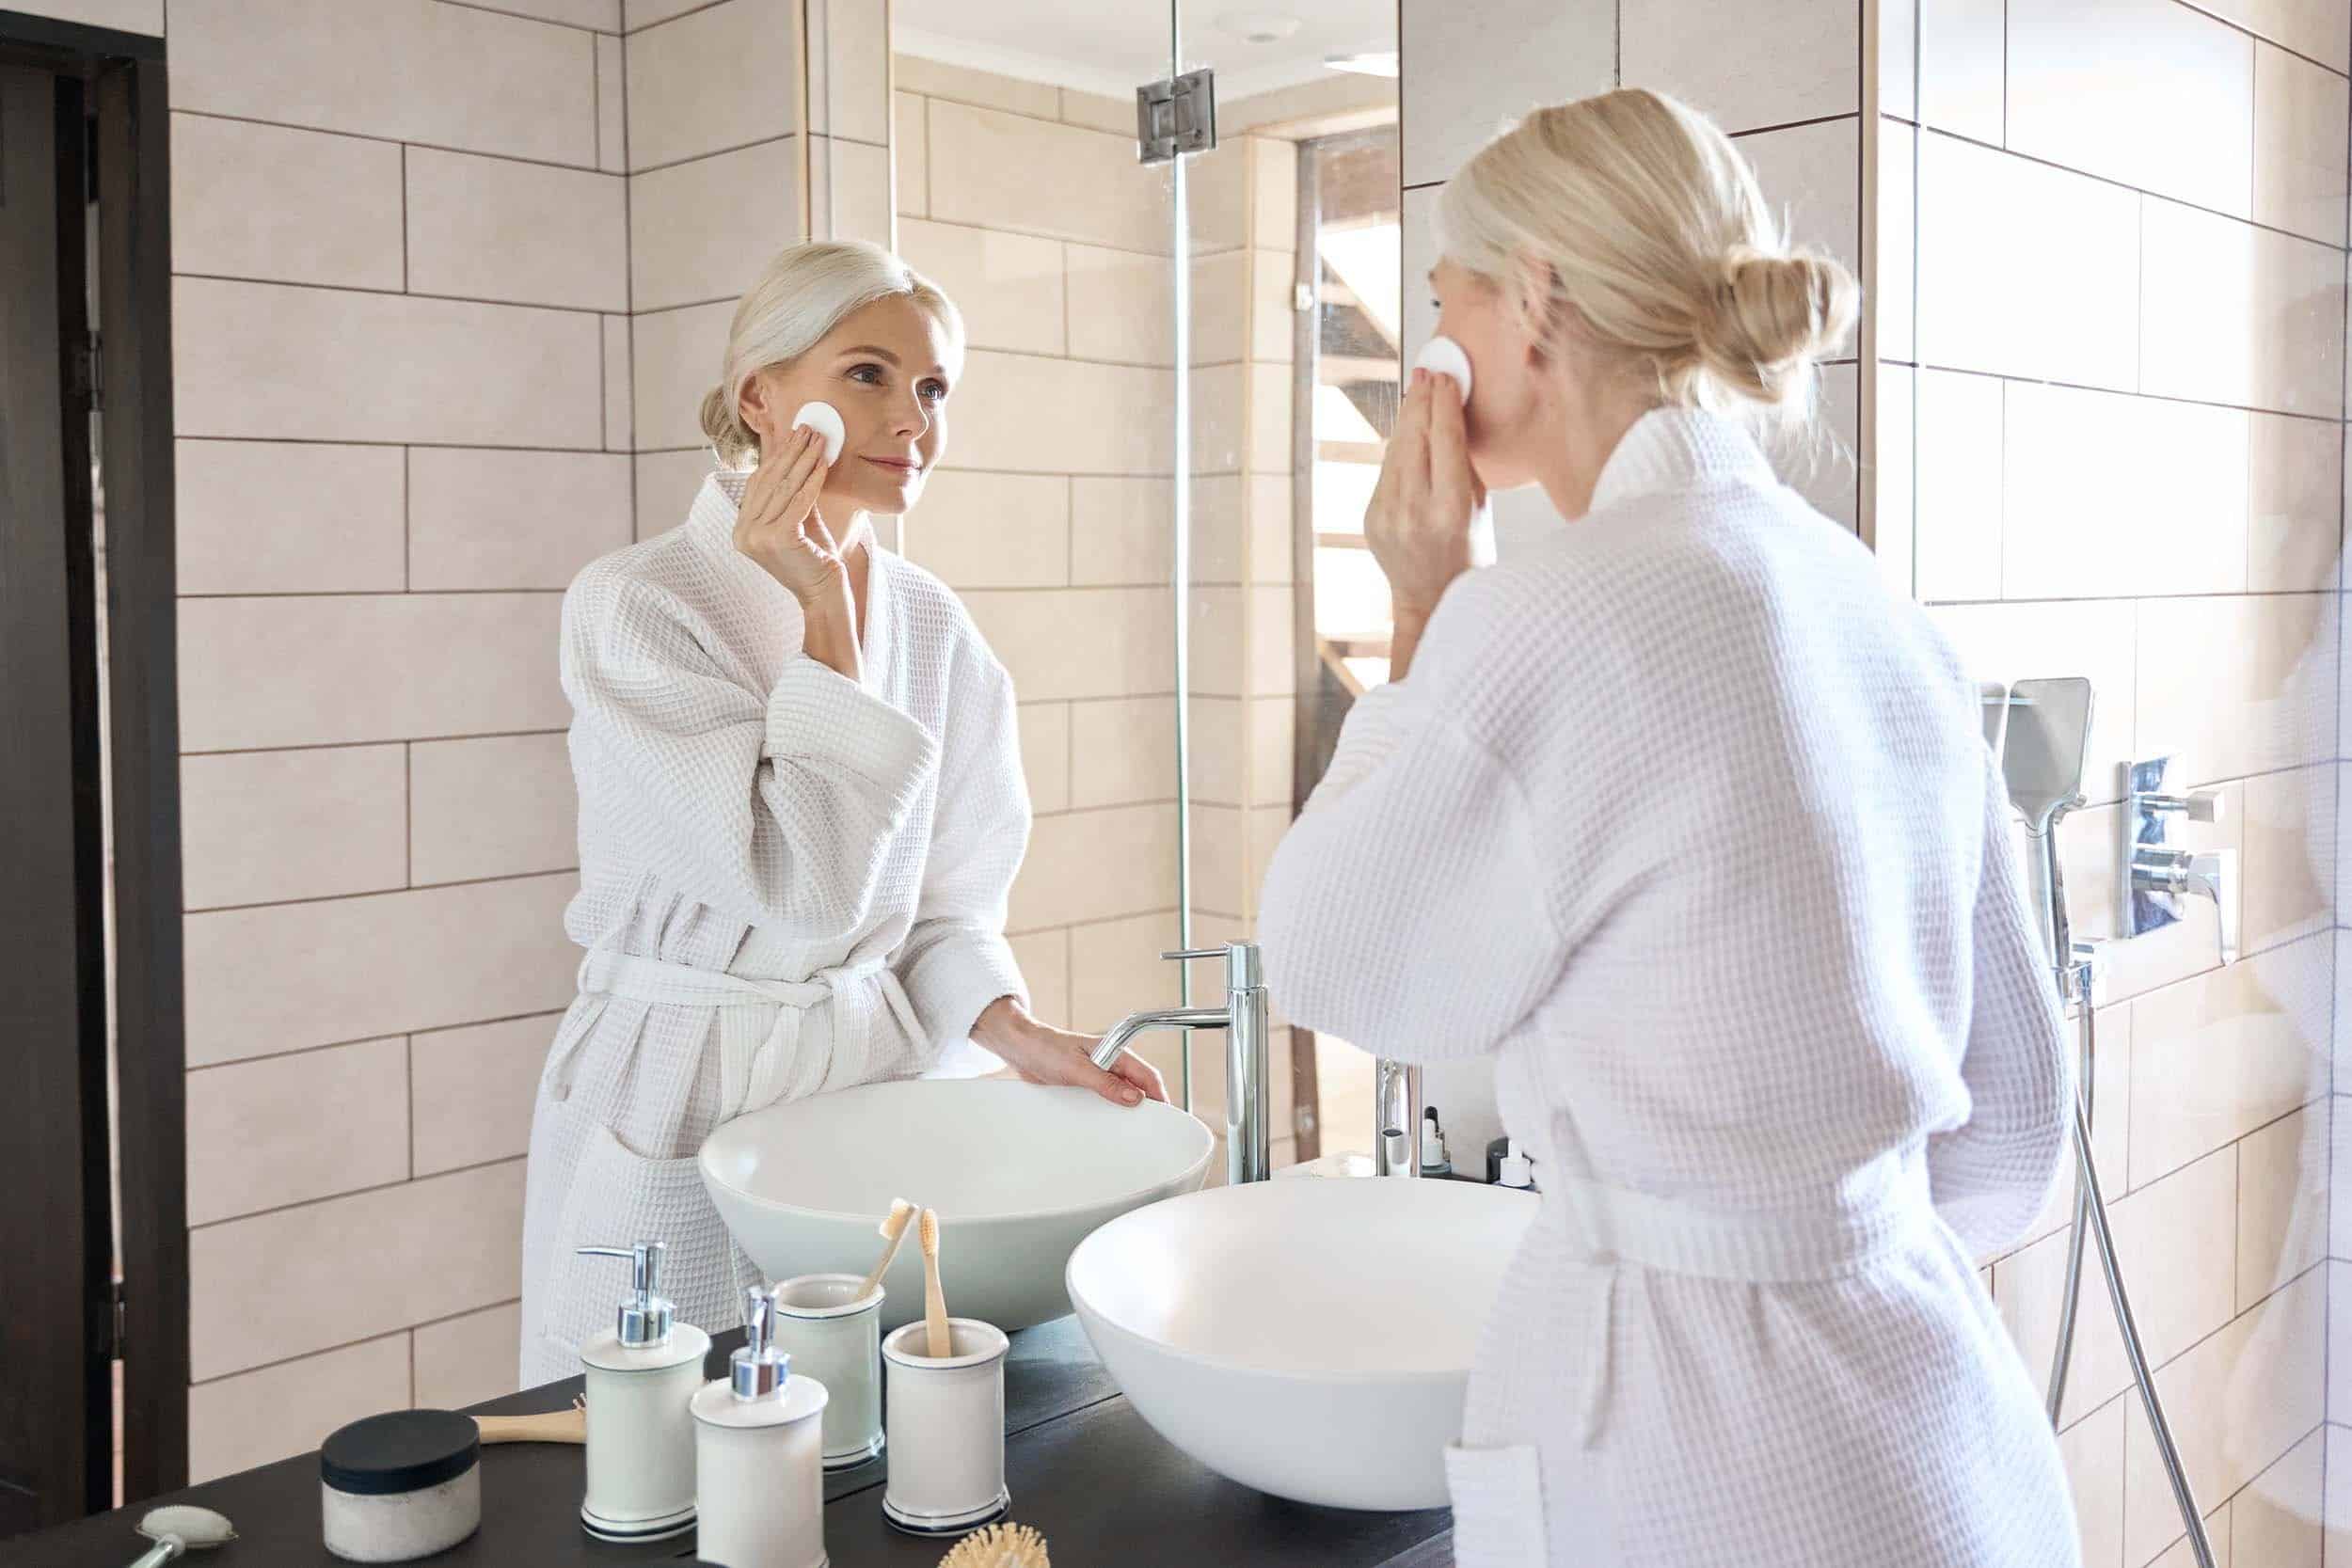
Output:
x=998 y=1546
x=894 y=1230
x=937 y=1343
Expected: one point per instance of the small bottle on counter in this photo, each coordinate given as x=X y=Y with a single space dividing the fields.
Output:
x=1432 y=1155
x=1518 y=1169
x=641 y=1378
x=759 y=1454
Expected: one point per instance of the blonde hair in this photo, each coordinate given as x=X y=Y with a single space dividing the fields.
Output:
x=800 y=296
x=1636 y=214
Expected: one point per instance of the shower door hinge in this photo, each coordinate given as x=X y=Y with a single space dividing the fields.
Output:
x=1176 y=117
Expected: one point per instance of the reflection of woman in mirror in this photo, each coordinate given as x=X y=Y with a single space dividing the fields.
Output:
x=800 y=800
x=1690 y=821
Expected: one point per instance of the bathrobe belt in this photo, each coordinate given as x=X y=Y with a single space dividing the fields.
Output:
x=760 y=1058
x=1884 y=1207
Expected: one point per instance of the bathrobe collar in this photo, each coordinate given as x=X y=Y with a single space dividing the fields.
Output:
x=1678 y=449
x=711 y=520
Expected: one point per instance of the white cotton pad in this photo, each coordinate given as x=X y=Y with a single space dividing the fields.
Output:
x=825 y=419
x=1445 y=356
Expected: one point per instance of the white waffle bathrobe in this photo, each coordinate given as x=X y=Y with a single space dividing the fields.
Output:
x=790 y=882
x=1688 y=820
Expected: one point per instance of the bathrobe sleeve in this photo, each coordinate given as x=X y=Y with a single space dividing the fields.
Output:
x=777 y=807
x=1992 y=1176
x=955 y=960
x=1405 y=910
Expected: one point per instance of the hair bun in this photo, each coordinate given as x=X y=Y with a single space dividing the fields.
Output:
x=723 y=428
x=1774 y=314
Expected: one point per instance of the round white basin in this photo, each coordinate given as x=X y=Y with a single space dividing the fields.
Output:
x=1310 y=1337
x=1019 y=1173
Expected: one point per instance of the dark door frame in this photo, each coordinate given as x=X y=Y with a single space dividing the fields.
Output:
x=121 y=84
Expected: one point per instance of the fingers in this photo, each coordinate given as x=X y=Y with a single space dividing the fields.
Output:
x=1143 y=1075
x=1112 y=1087
x=1449 y=443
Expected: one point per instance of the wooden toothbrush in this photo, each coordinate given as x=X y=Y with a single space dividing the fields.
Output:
x=894 y=1230
x=934 y=1299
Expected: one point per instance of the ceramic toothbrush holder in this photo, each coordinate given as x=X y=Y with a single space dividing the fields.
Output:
x=835 y=1337
x=946 y=1430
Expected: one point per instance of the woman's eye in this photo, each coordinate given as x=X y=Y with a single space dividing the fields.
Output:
x=935 y=392
x=870 y=374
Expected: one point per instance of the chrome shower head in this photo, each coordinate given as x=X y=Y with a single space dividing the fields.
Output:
x=2049 y=737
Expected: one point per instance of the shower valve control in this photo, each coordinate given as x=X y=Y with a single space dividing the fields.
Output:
x=2161 y=874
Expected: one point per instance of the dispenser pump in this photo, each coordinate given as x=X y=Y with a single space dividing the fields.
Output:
x=644 y=1317
x=761 y=1368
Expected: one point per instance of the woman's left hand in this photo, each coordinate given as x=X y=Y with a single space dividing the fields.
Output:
x=1044 y=1054
x=1419 y=522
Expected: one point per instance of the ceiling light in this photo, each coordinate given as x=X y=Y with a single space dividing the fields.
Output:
x=1258 y=26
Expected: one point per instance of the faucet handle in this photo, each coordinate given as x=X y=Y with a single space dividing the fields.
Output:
x=2198 y=805
x=1195 y=953
x=2215 y=875
x=1243 y=970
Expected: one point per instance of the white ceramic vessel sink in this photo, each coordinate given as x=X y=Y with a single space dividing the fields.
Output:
x=1309 y=1338
x=1018 y=1172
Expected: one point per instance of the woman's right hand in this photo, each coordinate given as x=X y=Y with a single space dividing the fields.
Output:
x=779 y=526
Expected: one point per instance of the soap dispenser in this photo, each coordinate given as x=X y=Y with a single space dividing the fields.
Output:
x=641 y=1378
x=759 y=1454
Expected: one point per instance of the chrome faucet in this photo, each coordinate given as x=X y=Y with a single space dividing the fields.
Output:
x=1249 y=1105
x=1395 y=1119
x=2161 y=875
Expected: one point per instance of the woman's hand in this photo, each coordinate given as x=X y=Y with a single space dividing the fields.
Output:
x=779 y=526
x=1419 y=522
x=1044 y=1054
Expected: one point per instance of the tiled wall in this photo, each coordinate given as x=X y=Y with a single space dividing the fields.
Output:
x=1051 y=512
x=2110 y=321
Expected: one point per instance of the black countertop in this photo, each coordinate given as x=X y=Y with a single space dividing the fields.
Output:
x=1103 y=1487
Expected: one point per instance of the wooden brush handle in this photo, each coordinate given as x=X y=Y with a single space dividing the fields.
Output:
x=936 y=1337
x=556 y=1426
x=890 y=1255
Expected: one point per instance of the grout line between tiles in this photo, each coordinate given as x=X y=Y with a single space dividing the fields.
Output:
x=353 y=745
x=372 y=1039
x=359 y=1192
x=383 y=892
x=386 y=141
x=353 y=1344
x=532 y=16
x=404 y=292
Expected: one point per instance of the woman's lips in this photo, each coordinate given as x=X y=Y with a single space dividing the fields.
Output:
x=895 y=464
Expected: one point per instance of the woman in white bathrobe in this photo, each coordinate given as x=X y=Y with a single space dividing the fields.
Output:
x=800 y=802
x=1688 y=821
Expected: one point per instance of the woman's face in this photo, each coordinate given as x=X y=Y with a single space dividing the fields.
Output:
x=1508 y=390
x=888 y=367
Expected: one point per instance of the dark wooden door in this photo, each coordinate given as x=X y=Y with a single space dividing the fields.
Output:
x=55 y=1230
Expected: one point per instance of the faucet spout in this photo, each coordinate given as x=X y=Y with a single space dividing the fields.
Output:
x=1114 y=1044
x=1248 y=1135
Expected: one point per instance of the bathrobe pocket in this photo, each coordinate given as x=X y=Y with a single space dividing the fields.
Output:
x=618 y=1196
x=1497 y=1507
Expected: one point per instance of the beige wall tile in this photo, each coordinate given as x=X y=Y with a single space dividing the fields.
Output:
x=2093 y=1452
x=2172 y=952
x=1466 y=83
x=411 y=70
x=1220 y=310
x=604 y=16
x=1007 y=286
x=1273 y=723
x=2260 y=1380
x=2177 y=1237
x=2010 y=642
x=1122 y=308
x=2282 y=1203
x=2299 y=115
x=497 y=807
x=1098 y=112
x=2293 y=505
x=1116 y=968
x=2028 y=1288
x=466 y=531
x=472 y=1090
x=1960 y=64
x=1222 y=412
x=1811 y=179
x=258 y=827
x=2181 y=1554
x=467 y=1359
x=850 y=192
x=2230 y=313
x=2181 y=121
x=294 y=206
x=611 y=105
x=1269 y=394
x=1893 y=520
x=495 y=228
x=1268 y=551
x=1217 y=749
x=911 y=146
x=1096 y=865
x=1087 y=642
x=1787 y=60
x=984 y=88
x=128 y=16
x=637 y=14
x=1045 y=755
x=251 y=519
x=667 y=483
x=1897 y=210
x=2063 y=309
x=1122 y=750
x=306 y=672
x=1221 y=655
x=1044 y=961
x=1027 y=414
x=1824 y=474
x=246 y=362
x=715 y=79
x=2275 y=1521
x=289 y=976
x=2166 y=514
x=1273 y=277
x=2270 y=705
x=2227 y=1052
x=1958 y=459
x=2318 y=29
x=1220 y=863
x=236 y=1423
x=702 y=230
x=676 y=356
x=2289 y=855
x=618 y=436
x=326 y=1274
x=1122 y=530
x=1216 y=198
x=1274 y=191
x=992 y=531
x=1064 y=182
x=849 y=86
x=290 y=1129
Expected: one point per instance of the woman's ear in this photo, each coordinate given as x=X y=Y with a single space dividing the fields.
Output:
x=751 y=404
x=1527 y=304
